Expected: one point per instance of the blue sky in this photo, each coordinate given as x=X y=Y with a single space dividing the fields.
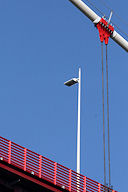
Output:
x=42 y=44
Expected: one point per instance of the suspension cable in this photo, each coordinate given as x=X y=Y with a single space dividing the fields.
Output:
x=108 y=116
x=103 y=114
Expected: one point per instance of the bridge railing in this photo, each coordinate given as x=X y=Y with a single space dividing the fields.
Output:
x=47 y=169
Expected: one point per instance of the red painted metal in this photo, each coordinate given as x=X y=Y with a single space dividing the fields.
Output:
x=44 y=168
x=55 y=170
x=29 y=178
x=99 y=188
x=70 y=174
x=40 y=165
x=84 y=190
x=9 y=152
x=25 y=151
x=105 y=30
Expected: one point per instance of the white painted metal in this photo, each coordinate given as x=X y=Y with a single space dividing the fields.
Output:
x=120 y=40
x=85 y=9
x=110 y=18
x=70 y=83
x=94 y=17
x=78 y=128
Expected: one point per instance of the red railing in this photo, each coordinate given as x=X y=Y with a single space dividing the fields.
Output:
x=47 y=169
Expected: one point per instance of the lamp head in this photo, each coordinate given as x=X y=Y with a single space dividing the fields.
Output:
x=71 y=82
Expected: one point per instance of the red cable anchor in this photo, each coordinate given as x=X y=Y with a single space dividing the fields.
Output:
x=105 y=30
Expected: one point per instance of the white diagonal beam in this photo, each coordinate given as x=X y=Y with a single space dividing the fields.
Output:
x=94 y=17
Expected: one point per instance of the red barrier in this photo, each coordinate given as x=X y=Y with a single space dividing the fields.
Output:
x=47 y=169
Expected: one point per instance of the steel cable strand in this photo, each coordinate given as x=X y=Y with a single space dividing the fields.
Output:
x=108 y=117
x=103 y=115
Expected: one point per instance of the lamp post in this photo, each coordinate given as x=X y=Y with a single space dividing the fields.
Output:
x=70 y=83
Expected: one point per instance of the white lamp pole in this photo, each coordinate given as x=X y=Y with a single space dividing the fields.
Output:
x=78 y=126
x=70 y=83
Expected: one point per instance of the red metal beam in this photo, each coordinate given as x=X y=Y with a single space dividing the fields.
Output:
x=29 y=178
x=43 y=168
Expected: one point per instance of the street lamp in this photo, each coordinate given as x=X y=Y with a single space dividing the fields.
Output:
x=70 y=83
